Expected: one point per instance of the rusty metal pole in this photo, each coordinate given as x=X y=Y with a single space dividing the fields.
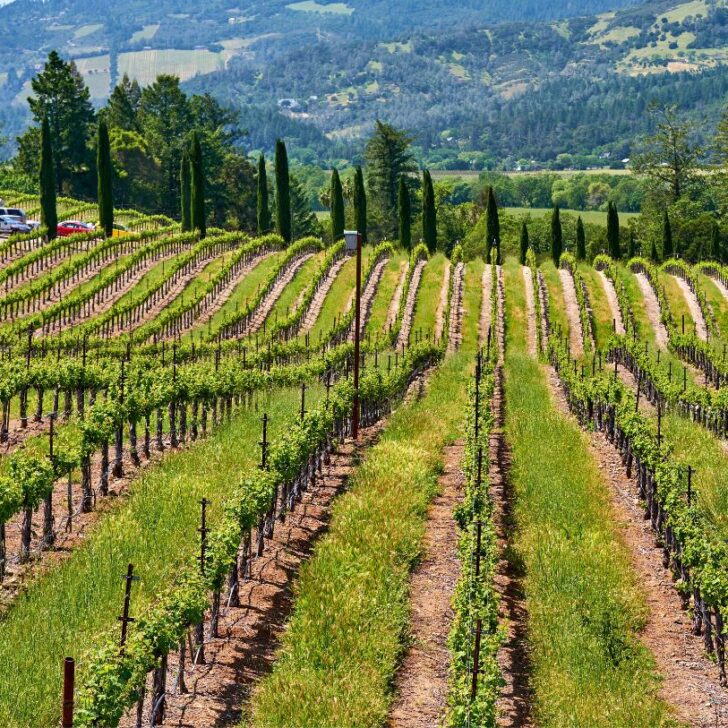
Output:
x=125 y=618
x=69 y=680
x=357 y=335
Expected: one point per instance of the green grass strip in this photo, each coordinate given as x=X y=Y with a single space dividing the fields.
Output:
x=585 y=607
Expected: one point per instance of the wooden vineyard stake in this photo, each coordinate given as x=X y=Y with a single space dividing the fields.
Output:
x=69 y=681
x=125 y=619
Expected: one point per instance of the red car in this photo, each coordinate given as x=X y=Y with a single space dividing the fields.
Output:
x=73 y=227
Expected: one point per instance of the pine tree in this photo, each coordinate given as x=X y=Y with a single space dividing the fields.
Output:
x=492 y=228
x=615 y=250
x=337 y=207
x=557 y=238
x=303 y=219
x=197 y=188
x=632 y=249
x=667 y=249
x=47 y=183
x=123 y=107
x=524 y=243
x=405 y=214
x=105 y=185
x=360 y=205
x=283 y=192
x=429 y=214
x=185 y=192
x=580 y=240
x=263 y=208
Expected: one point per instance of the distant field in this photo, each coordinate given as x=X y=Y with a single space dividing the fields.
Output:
x=310 y=6
x=471 y=174
x=591 y=216
x=146 y=33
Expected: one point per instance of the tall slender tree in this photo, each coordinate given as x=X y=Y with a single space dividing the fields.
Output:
x=492 y=228
x=615 y=250
x=632 y=245
x=715 y=247
x=557 y=236
x=667 y=250
x=197 y=187
x=104 y=182
x=429 y=214
x=405 y=214
x=360 y=205
x=524 y=243
x=337 y=207
x=185 y=192
x=47 y=183
x=580 y=240
x=283 y=192
x=654 y=255
x=263 y=207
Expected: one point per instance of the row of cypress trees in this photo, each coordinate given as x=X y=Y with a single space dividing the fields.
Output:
x=47 y=182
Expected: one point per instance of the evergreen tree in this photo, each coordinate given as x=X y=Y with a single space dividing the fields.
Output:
x=654 y=257
x=580 y=240
x=123 y=107
x=47 y=183
x=557 y=238
x=303 y=220
x=667 y=249
x=337 y=207
x=524 y=243
x=715 y=247
x=360 y=205
x=185 y=192
x=388 y=157
x=283 y=192
x=632 y=249
x=429 y=214
x=405 y=214
x=263 y=208
x=105 y=185
x=492 y=228
x=615 y=250
x=197 y=188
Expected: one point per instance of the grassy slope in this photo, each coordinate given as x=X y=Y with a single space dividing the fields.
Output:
x=585 y=609
x=676 y=301
x=299 y=284
x=602 y=314
x=428 y=296
x=64 y=610
x=557 y=310
x=385 y=292
x=341 y=649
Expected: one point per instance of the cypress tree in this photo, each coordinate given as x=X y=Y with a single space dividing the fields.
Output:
x=337 y=207
x=492 y=228
x=654 y=257
x=429 y=215
x=557 y=238
x=615 y=250
x=283 y=192
x=360 y=205
x=715 y=252
x=667 y=249
x=263 y=209
x=105 y=188
x=47 y=183
x=580 y=240
x=632 y=249
x=524 y=243
x=197 y=188
x=405 y=214
x=185 y=192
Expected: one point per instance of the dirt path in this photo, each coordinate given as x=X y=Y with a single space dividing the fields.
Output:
x=701 y=330
x=396 y=298
x=576 y=335
x=409 y=307
x=531 y=310
x=689 y=680
x=652 y=308
x=487 y=286
x=457 y=310
x=269 y=301
x=367 y=298
x=421 y=686
x=317 y=304
x=442 y=303
x=613 y=302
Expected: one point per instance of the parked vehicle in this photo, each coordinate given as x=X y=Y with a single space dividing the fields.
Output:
x=10 y=224
x=120 y=230
x=14 y=212
x=34 y=224
x=73 y=227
